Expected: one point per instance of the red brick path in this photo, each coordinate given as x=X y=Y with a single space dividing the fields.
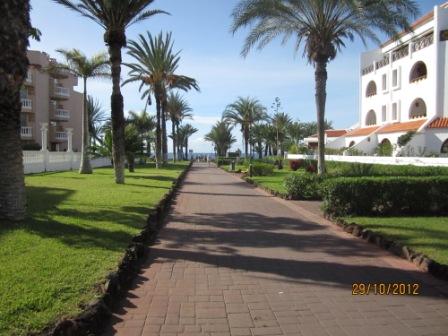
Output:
x=233 y=260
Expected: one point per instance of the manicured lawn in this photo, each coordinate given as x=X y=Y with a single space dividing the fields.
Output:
x=77 y=229
x=428 y=235
x=273 y=182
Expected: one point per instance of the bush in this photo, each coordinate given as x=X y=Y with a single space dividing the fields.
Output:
x=384 y=149
x=311 y=166
x=367 y=196
x=358 y=169
x=404 y=139
x=303 y=186
x=294 y=149
x=262 y=169
x=222 y=161
x=295 y=164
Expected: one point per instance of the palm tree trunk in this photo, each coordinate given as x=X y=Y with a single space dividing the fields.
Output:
x=246 y=143
x=85 y=167
x=266 y=149
x=118 y=152
x=178 y=143
x=321 y=96
x=186 y=149
x=158 y=132
x=164 y=135
x=13 y=69
x=173 y=133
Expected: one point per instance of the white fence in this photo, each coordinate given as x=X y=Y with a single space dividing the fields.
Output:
x=38 y=162
x=386 y=160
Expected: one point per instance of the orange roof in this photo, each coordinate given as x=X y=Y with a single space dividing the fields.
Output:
x=403 y=127
x=362 y=131
x=332 y=133
x=439 y=123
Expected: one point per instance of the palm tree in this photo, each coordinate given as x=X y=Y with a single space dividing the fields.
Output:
x=97 y=118
x=185 y=132
x=258 y=134
x=145 y=125
x=245 y=112
x=221 y=137
x=323 y=27
x=133 y=144
x=280 y=121
x=177 y=109
x=115 y=16
x=13 y=70
x=155 y=67
x=81 y=66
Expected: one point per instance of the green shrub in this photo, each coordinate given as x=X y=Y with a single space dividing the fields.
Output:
x=384 y=149
x=404 y=139
x=353 y=152
x=310 y=165
x=358 y=169
x=303 y=186
x=223 y=161
x=366 y=196
x=293 y=149
x=262 y=169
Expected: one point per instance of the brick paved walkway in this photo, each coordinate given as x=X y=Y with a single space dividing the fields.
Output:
x=233 y=260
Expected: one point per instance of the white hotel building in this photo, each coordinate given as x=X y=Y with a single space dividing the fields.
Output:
x=404 y=87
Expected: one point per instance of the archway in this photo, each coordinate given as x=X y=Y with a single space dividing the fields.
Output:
x=385 y=148
x=417 y=109
x=371 y=89
x=371 y=118
x=418 y=72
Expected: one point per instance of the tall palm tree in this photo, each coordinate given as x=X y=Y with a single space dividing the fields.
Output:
x=13 y=70
x=145 y=125
x=81 y=66
x=323 y=27
x=155 y=69
x=115 y=16
x=245 y=112
x=280 y=121
x=97 y=118
x=221 y=137
x=257 y=135
x=177 y=109
x=185 y=132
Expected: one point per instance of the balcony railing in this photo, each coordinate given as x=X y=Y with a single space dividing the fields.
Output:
x=385 y=61
x=400 y=53
x=367 y=70
x=62 y=114
x=61 y=91
x=27 y=104
x=60 y=135
x=423 y=42
x=26 y=132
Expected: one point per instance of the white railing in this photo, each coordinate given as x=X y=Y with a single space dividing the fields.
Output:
x=386 y=160
x=60 y=135
x=26 y=132
x=39 y=161
x=29 y=78
x=62 y=114
x=61 y=91
x=27 y=104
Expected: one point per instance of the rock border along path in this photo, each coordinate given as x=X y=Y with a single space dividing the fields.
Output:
x=233 y=260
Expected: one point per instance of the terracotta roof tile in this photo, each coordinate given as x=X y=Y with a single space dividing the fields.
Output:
x=439 y=123
x=362 y=131
x=412 y=125
x=335 y=133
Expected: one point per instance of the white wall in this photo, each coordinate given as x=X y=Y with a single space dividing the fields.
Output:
x=387 y=160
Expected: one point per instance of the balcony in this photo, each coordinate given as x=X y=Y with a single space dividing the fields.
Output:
x=26 y=132
x=60 y=92
x=61 y=114
x=60 y=136
x=56 y=70
x=27 y=104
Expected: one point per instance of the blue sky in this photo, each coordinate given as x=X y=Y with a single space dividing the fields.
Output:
x=211 y=54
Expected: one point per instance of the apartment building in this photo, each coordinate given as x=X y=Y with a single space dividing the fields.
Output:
x=404 y=87
x=51 y=108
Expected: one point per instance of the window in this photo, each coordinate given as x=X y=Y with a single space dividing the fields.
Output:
x=371 y=89
x=384 y=113
x=418 y=72
x=384 y=81
x=417 y=109
x=395 y=111
x=396 y=81
x=371 y=118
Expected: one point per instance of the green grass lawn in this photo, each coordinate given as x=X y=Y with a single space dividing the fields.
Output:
x=428 y=235
x=273 y=182
x=76 y=231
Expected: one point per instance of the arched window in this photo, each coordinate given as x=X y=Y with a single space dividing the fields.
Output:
x=417 y=109
x=371 y=89
x=351 y=144
x=444 y=148
x=418 y=72
x=385 y=148
x=371 y=118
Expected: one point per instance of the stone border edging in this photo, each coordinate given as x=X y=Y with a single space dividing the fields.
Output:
x=422 y=261
x=91 y=320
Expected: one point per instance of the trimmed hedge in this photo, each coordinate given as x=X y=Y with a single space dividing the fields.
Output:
x=367 y=196
x=262 y=169
x=305 y=186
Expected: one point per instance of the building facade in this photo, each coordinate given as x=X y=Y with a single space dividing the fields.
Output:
x=404 y=89
x=51 y=114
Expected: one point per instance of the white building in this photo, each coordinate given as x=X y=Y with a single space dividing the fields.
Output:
x=404 y=87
